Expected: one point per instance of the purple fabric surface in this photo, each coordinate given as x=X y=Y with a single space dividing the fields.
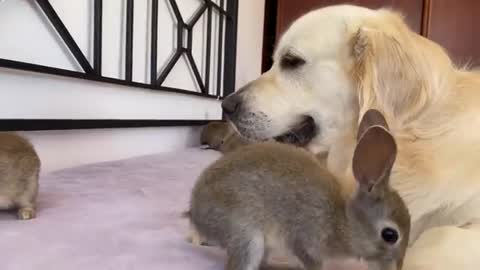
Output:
x=115 y=215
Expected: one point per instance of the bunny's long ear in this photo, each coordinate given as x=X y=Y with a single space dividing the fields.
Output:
x=373 y=158
x=371 y=118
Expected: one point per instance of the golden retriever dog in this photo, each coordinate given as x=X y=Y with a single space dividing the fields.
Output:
x=335 y=63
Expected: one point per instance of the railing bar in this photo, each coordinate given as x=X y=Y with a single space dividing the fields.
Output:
x=169 y=67
x=154 y=43
x=65 y=35
x=196 y=73
x=197 y=16
x=220 y=52
x=129 y=42
x=97 y=48
x=180 y=23
x=217 y=7
x=17 y=65
x=230 y=47
x=208 y=53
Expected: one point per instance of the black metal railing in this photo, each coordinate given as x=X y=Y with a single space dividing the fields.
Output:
x=225 y=69
x=226 y=48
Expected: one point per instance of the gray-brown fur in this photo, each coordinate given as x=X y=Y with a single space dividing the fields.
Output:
x=222 y=137
x=271 y=196
x=19 y=172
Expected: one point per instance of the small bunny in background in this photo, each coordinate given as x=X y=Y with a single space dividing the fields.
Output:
x=19 y=172
x=222 y=137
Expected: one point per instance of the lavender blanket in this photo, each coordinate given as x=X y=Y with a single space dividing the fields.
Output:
x=116 y=215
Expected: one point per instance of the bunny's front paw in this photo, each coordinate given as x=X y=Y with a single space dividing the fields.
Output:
x=26 y=213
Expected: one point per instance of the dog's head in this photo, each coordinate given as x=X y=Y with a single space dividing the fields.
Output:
x=330 y=66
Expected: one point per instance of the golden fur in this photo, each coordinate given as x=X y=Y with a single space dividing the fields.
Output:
x=357 y=59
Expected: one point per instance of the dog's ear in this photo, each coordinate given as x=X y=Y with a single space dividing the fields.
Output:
x=371 y=118
x=390 y=67
x=360 y=45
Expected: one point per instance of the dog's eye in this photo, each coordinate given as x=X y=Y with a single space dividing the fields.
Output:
x=290 y=61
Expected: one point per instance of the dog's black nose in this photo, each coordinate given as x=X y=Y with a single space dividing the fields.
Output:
x=231 y=104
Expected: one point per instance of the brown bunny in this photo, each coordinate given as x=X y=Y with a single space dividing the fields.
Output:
x=273 y=198
x=222 y=137
x=19 y=171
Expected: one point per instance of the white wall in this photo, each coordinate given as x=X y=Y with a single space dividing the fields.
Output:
x=63 y=149
x=249 y=40
x=32 y=95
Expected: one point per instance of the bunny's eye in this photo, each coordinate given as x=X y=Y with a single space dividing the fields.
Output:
x=390 y=235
